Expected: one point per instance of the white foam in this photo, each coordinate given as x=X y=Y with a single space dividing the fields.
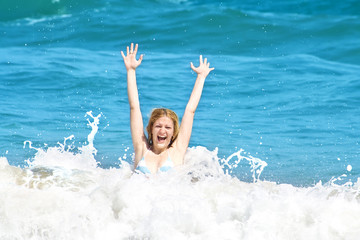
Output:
x=33 y=21
x=63 y=194
x=43 y=203
x=63 y=155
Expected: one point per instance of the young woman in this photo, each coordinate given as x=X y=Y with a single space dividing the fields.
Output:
x=166 y=144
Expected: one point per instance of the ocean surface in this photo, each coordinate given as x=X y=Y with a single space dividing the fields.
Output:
x=274 y=152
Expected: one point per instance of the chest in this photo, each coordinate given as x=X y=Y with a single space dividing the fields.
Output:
x=154 y=162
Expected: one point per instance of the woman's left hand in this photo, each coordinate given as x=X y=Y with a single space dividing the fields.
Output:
x=203 y=69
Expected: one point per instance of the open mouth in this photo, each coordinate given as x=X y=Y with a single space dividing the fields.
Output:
x=161 y=139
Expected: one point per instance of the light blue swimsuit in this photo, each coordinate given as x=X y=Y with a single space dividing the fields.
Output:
x=141 y=167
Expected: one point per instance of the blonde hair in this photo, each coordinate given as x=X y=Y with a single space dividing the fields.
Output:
x=158 y=113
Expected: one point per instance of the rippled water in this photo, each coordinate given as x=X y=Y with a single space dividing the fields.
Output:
x=285 y=93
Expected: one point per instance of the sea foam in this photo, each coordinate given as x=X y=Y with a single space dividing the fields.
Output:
x=64 y=194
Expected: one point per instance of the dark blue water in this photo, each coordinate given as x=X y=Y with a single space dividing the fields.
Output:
x=286 y=85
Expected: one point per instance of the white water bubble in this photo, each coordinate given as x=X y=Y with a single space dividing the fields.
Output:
x=349 y=168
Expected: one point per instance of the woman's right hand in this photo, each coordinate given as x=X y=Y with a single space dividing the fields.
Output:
x=130 y=59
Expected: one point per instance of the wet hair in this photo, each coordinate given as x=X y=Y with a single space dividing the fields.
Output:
x=158 y=113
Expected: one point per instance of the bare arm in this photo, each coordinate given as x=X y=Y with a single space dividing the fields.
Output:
x=136 y=122
x=187 y=121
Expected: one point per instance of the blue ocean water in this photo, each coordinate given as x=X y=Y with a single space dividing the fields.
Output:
x=274 y=152
x=285 y=89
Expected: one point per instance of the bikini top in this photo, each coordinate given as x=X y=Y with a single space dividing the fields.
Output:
x=141 y=167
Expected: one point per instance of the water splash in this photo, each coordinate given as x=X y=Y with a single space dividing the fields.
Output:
x=342 y=180
x=72 y=202
x=201 y=163
x=256 y=164
x=94 y=128
x=65 y=155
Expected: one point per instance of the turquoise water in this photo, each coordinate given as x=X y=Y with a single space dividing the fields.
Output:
x=286 y=87
x=274 y=152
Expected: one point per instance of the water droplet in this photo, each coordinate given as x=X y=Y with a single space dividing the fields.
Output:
x=349 y=168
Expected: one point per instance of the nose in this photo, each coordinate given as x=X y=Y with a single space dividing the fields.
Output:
x=162 y=130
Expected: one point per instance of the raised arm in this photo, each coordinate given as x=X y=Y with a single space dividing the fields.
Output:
x=136 y=121
x=187 y=121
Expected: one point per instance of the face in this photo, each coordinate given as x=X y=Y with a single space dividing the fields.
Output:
x=162 y=132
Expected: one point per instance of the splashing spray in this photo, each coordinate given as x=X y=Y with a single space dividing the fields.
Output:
x=257 y=165
x=64 y=155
